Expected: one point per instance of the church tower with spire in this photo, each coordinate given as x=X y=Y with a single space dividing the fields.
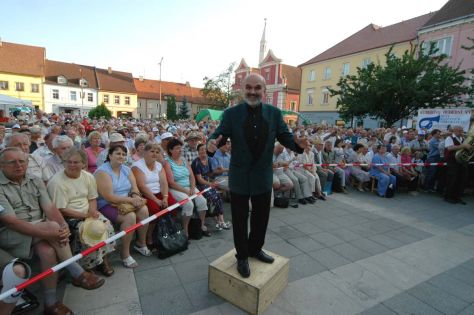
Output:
x=263 y=45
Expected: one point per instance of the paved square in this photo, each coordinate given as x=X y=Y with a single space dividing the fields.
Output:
x=353 y=254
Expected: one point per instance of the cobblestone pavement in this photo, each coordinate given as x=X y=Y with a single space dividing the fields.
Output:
x=353 y=254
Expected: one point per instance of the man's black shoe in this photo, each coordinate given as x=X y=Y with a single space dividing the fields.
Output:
x=243 y=267
x=264 y=257
x=310 y=200
x=461 y=202
x=322 y=197
x=302 y=201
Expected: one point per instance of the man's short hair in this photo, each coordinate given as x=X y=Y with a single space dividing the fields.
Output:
x=61 y=139
x=9 y=149
x=9 y=137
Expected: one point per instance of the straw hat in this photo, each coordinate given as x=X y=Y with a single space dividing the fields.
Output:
x=93 y=231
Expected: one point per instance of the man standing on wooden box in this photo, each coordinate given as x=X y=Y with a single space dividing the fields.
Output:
x=252 y=128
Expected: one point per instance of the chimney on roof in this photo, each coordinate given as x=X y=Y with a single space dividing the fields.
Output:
x=188 y=84
x=109 y=70
x=141 y=79
x=1 y=43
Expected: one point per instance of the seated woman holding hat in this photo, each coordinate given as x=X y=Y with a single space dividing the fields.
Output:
x=74 y=192
x=120 y=201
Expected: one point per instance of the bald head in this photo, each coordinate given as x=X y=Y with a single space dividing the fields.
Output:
x=253 y=89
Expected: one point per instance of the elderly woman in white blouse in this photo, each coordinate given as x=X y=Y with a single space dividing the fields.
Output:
x=307 y=168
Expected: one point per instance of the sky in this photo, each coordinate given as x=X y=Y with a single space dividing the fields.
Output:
x=196 y=39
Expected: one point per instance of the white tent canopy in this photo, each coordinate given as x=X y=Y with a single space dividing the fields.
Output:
x=13 y=101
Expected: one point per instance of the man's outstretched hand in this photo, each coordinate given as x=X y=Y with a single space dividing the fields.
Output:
x=302 y=142
x=212 y=144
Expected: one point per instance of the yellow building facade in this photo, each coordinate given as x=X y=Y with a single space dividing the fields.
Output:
x=318 y=77
x=23 y=87
x=369 y=45
x=119 y=103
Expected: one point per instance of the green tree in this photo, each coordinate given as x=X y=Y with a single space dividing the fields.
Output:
x=420 y=78
x=183 y=109
x=219 y=89
x=171 y=108
x=100 y=111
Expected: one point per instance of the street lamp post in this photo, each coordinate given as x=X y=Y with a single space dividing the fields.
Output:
x=82 y=93
x=159 y=110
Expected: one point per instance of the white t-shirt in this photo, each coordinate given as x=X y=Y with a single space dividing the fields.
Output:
x=72 y=193
x=152 y=178
x=448 y=142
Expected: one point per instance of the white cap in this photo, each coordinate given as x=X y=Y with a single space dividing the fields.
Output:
x=154 y=129
x=116 y=137
x=166 y=135
x=16 y=126
x=135 y=129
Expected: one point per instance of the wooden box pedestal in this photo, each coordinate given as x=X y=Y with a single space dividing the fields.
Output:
x=253 y=294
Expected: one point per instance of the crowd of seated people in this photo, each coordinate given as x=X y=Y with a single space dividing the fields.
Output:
x=86 y=179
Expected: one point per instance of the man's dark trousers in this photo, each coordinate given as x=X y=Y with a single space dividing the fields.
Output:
x=248 y=245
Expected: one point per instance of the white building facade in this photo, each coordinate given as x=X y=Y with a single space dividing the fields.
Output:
x=64 y=98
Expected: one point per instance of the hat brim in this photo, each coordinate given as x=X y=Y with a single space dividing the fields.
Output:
x=86 y=239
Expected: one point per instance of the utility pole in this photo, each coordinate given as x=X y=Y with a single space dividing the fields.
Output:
x=82 y=93
x=159 y=106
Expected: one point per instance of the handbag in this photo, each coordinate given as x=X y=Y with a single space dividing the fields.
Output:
x=168 y=237
x=195 y=229
x=126 y=207
x=281 y=202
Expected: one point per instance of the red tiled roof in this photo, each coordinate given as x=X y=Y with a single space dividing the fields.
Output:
x=373 y=36
x=22 y=59
x=452 y=10
x=150 y=89
x=71 y=71
x=293 y=76
x=116 y=81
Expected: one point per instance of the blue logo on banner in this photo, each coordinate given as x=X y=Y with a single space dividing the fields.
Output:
x=427 y=123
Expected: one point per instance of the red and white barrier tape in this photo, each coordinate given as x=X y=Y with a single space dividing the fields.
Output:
x=86 y=252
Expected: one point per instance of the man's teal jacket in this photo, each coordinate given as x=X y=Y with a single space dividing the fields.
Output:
x=246 y=176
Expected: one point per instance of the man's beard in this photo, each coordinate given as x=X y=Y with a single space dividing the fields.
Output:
x=257 y=100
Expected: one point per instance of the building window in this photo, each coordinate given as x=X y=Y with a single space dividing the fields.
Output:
x=34 y=88
x=3 y=85
x=19 y=86
x=310 y=93
x=116 y=99
x=312 y=75
x=106 y=98
x=345 y=69
x=90 y=97
x=73 y=96
x=293 y=105
x=267 y=75
x=62 y=80
x=83 y=82
x=325 y=96
x=327 y=73
x=56 y=94
x=269 y=99
x=443 y=44
x=366 y=62
x=127 y=100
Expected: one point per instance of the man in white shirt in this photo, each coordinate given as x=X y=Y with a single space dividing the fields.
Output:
x=300 y=182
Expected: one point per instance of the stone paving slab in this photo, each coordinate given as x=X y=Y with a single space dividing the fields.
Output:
x=353 y=254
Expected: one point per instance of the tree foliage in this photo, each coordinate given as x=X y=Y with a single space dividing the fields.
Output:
x=183 y=110
x=420 y=78
x=219 y=89
x=100 y=111
x=171 y=108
